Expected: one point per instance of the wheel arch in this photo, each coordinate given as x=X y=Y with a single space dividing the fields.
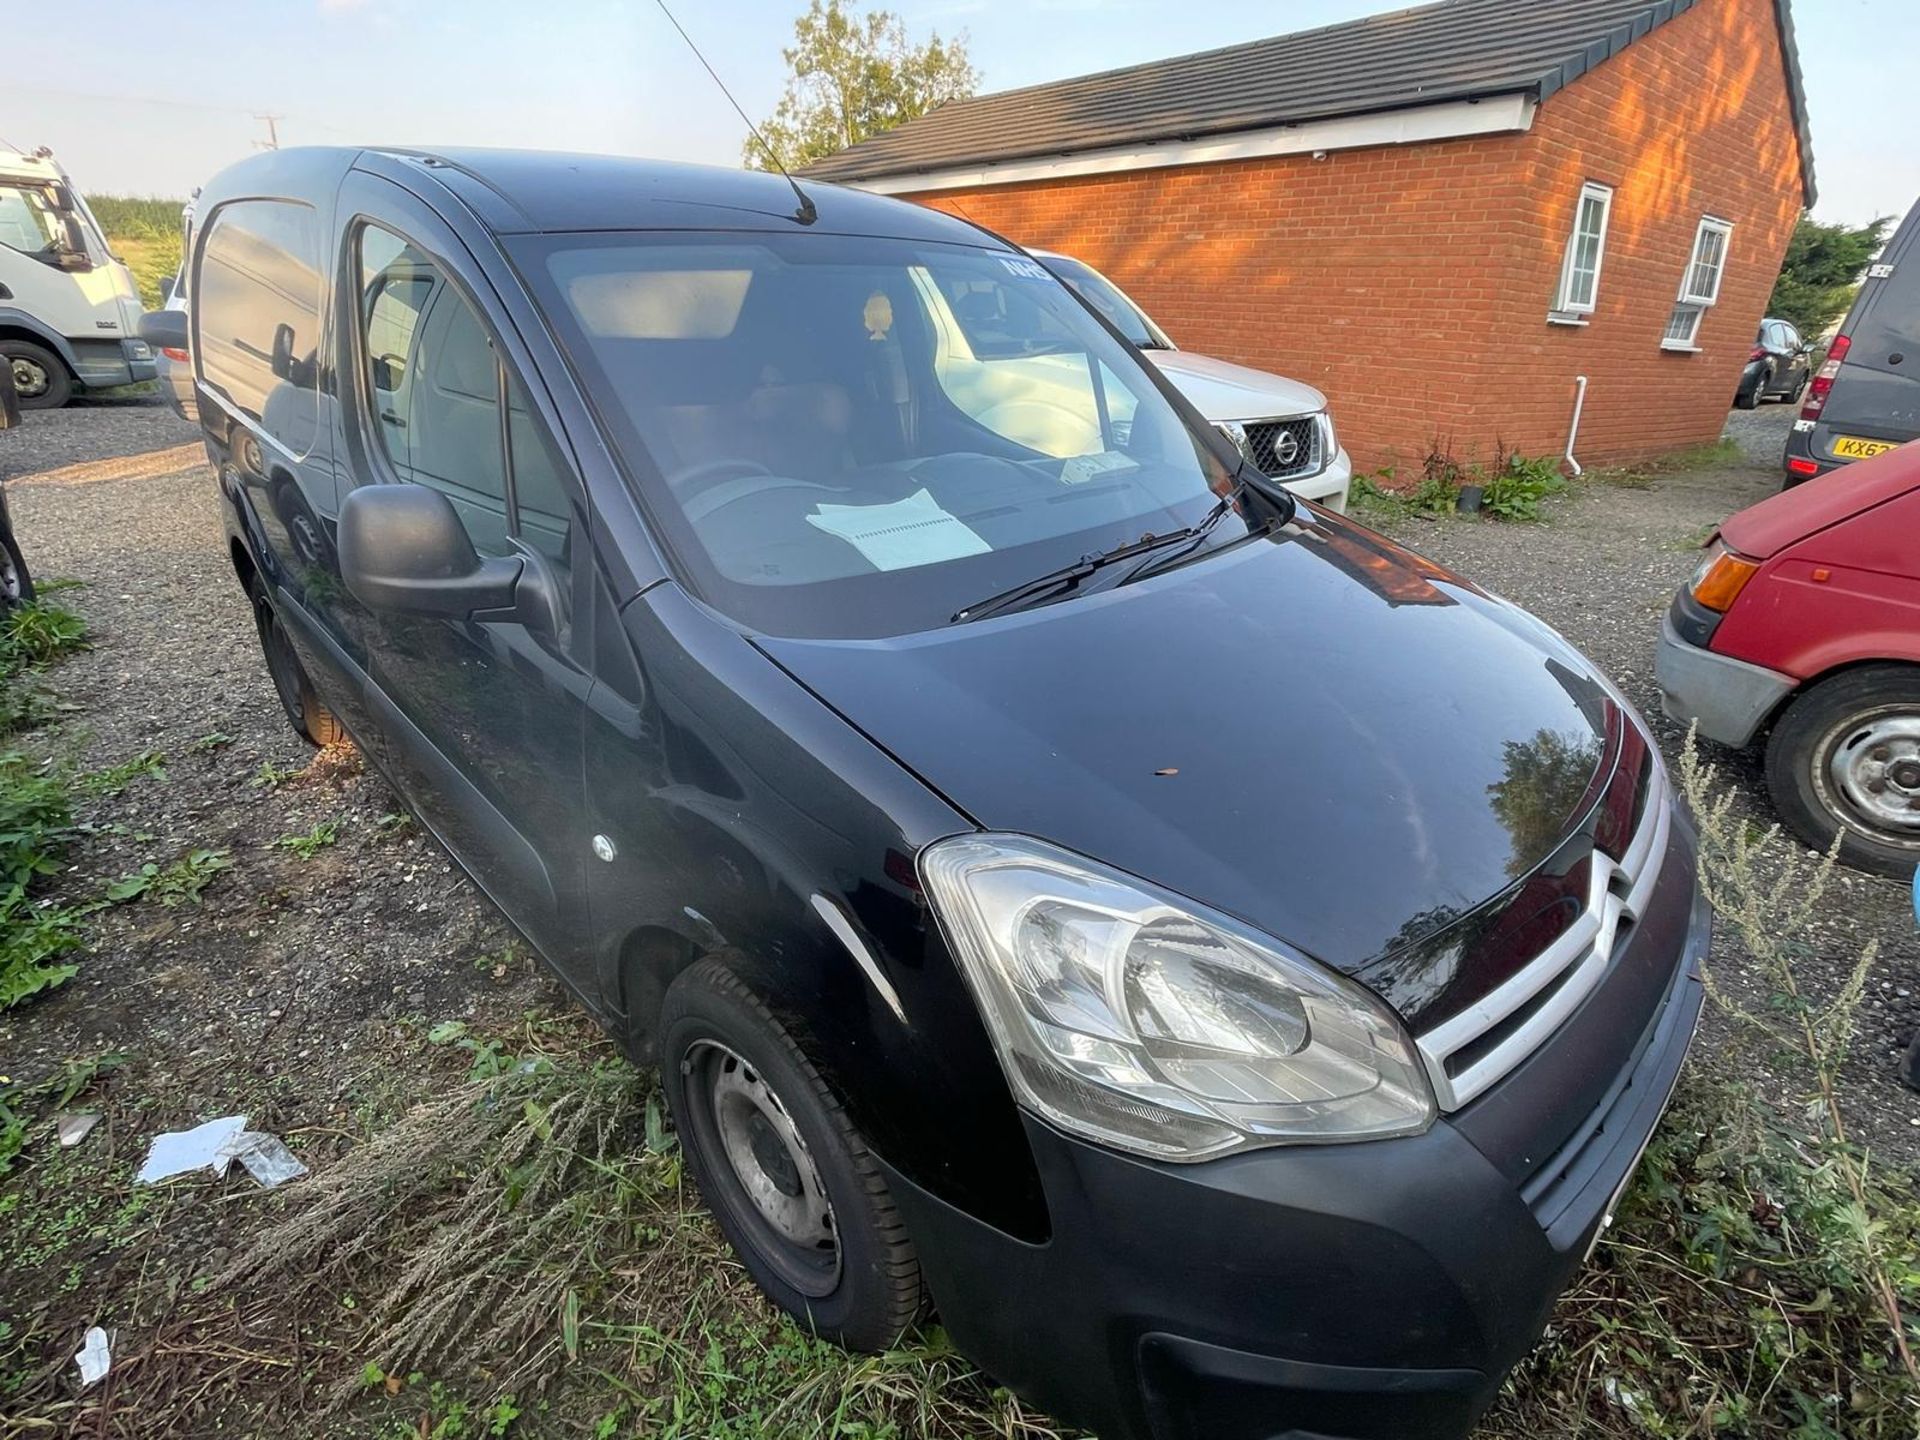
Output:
x=652 y=957
x=18 y=325
x=1764 y=730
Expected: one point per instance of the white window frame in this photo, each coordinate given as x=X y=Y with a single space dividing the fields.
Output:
x=1692 y=305
x=1564 y=310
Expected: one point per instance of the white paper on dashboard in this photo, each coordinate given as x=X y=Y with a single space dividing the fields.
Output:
x=899 y=536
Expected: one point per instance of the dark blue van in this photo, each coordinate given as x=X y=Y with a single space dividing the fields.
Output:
x=1225 y=965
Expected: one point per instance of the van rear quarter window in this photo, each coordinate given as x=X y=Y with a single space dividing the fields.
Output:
x=257 y=316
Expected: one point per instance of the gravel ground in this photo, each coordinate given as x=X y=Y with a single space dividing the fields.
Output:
x=1602 y=571
x=272 y=992
x=91 y=429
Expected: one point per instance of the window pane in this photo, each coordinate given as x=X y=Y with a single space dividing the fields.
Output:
x=1703 y=278
x=257 y=316
x=433 y=384
x=1682 y=325
x=885 y=432
x=540 y=495
x=26 y=218
x=1581 y=275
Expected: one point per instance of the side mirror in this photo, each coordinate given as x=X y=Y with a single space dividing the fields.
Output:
x=403 y=550
x=62 y=197
x=164 y=329
x=72 y=251
x=282 y=358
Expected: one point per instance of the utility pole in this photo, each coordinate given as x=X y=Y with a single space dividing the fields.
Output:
x=272 y=122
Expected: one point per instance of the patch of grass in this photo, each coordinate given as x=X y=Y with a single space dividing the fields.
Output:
x=176 y=883
x=216 y=740
x=31 y=638
x=1512 y=488
x=22 y=1104
x=36 y=633
x=522 y=1251
x=115 y=778
x=36 y=808
x=1517 y=485
x=311 y=842
x=1721 y=454
x=1760 y=1279
x=36 y=825
x=270 y=777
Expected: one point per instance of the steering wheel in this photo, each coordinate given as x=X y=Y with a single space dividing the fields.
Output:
x=708 y=473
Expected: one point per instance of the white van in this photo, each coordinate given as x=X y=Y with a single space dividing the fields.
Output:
x=69 y=311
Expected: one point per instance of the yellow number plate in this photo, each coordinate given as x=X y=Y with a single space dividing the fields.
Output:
x=1852 y=447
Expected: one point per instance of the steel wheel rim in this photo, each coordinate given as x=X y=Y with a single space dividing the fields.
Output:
x=30 y=378
x=769 y=1165
x=1869 y=771
x=10 y=587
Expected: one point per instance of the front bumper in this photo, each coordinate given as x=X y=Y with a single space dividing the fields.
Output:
x=104 y=364
x=1725 y=699
x=1330 y=486
x=1374 y=1291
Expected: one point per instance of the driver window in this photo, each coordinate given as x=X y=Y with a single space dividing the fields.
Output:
x=434 y=385
x=27 y=221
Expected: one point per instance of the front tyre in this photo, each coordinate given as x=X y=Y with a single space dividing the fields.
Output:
x=1845 y=760
x=40 y=377
x=305 y=711
x=16 y=584
x=789 y=1178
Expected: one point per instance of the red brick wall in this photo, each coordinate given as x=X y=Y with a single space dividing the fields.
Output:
x=1412 y=283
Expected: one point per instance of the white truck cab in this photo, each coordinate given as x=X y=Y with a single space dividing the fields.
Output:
x=69 y=311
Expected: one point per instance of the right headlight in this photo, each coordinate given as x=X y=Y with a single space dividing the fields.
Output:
x=1137 y=1019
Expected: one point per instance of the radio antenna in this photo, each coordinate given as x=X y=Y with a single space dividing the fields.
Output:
x=806 y=214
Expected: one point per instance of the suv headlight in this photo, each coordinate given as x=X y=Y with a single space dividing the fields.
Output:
x=1142 y=1021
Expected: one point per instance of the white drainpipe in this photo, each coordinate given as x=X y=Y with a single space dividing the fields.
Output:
x=1579 y=404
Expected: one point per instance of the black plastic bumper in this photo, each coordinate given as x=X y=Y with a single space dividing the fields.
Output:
x=1371 y=1290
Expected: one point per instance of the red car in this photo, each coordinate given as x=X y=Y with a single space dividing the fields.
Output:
x=1802 y=625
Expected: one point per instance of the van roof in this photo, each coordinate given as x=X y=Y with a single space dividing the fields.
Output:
x=520 y=191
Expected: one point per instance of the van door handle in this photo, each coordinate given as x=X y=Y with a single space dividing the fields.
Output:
x=393 y=420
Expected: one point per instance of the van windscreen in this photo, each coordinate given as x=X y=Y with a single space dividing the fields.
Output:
x=853 y=436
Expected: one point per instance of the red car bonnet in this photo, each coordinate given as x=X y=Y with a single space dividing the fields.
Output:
x=1763 y=530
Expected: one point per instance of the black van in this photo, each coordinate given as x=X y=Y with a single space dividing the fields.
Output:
x=1224 y=964
x=1865 y=399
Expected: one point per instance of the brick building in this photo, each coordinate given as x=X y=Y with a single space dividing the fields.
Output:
x=1441 y=216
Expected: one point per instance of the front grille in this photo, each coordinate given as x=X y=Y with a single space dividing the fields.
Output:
x=1284 y=449
x=1472 y=1049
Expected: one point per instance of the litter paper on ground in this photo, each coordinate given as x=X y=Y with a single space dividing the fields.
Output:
x=266 y=1157
x=178 y=1151
x=94 y=1357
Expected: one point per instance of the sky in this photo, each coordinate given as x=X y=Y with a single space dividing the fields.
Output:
x=139 y=99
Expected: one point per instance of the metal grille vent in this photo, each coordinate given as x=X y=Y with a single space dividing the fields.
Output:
x=1471 y=1050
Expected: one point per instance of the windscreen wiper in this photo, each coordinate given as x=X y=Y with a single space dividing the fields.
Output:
x=1068 y=578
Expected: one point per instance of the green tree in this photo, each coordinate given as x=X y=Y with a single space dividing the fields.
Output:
x=1822 y=270
x=852 y=76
